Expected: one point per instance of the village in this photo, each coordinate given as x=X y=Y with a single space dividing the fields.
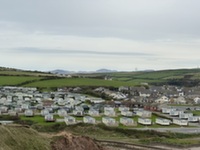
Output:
x=129 y=106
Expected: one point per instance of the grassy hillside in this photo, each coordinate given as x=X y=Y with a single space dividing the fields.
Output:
x=21 y=138
x=44 y=80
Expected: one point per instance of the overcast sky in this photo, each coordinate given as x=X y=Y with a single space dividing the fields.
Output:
x=93 y=34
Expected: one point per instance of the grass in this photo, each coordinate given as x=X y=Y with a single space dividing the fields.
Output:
x=19 y=138
x=15 y=80
x=78 y=82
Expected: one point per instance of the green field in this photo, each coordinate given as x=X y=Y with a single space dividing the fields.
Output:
x=48 y=81
x=15 y=80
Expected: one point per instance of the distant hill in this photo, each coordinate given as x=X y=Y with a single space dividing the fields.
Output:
x=105 y=71
x=60 y=71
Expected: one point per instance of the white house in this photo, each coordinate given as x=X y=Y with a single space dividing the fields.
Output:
x=109 y=121
x=163 y=99
x=49 y=118
x=162 y=121
x=93 y=112
x=197 y=100
x=69 y=120
x=88 y=119
x=110 y=113
x=185 y=115
x=144 y=114
x=180 y=100
x=127 y=113
x=144 y=121
x=28 y=113
x=127 y=121
x=180 y=122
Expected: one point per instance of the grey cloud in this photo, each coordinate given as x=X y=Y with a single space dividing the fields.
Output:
x=82 y=52
x=142 y=19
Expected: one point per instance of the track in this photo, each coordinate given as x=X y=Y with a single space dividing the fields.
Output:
x=127 y=146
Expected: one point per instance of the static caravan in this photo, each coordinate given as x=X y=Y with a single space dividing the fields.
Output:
x=144 y=121
x=70 y=120
x=25 y=106
x=127 y=121
x=122 y=108
x=4 y=109
x=29 y=113
x=78 y=113
x=161 y=121
x=62 y=112
x=44 y=112
x=49 y=118
x=126 y=113
x=110 y=113
x=175 y=113
x=109 y=121
x=185 y=115
x=180 y=122
x=144 y=114
x=12 y=113
x=93 y=112
x=88 y=119
x=18 y=109
x=109 y=108
x=193 y=119
x=165 y=110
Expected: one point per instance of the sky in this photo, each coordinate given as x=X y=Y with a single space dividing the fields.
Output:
x=86 y=35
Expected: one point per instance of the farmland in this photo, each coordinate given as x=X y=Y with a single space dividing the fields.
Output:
x=186 y=77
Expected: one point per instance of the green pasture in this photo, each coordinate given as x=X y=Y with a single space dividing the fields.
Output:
x=15 y=80
x=77 y=82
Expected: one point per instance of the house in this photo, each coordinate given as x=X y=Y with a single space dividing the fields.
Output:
x=197 y=100
x=93 y=112
x=193 y=119
x=185 y=115
x=49 y=118
x=144 y=113
x=127 y=121
x=162 y=121
x=44 y=112
x=109 y=121
x=110 y=113
x=29 y=113
x=88 y=119
x=69 y=120
x=62 y=112
x=144 y=121
x=127 y=113
x=180 y=100
x=180 y=122
x=163 y=99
